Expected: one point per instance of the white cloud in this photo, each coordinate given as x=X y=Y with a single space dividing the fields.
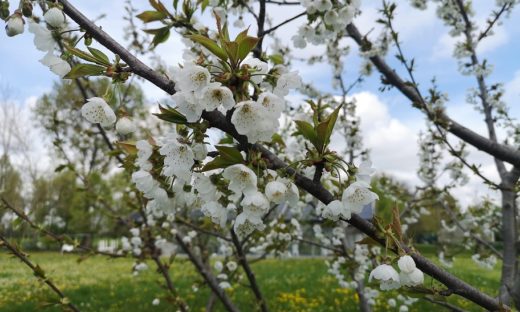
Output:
x=392 y=144
x=446 y=43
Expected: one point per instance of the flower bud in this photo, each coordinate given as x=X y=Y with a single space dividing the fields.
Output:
x=54 y=17
x=15 y=25
x=125 y=126
x=27 y=8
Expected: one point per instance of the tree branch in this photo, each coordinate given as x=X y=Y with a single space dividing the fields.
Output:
x=38 y=272
x=208 y=277
x=242 y=259
x=501 y=151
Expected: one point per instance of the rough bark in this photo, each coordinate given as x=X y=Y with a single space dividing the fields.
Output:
x=509 y=231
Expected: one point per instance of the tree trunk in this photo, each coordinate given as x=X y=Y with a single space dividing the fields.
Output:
x=509 y=238
x=363 y=302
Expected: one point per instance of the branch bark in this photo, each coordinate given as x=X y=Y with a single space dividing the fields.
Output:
x=208 y=277
x=500 y=151
x=242 y=259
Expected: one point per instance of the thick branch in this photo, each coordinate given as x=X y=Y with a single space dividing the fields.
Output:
x=480 y=142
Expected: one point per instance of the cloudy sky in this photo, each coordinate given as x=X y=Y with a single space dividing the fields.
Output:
x=390 y=125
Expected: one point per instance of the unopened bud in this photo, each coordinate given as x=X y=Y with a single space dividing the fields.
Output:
x=14 y=25
x=27 y=8
x=125 y=126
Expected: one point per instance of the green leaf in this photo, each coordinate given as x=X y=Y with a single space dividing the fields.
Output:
x=100 y=56
x=158 y=6
x=217 y=163
x=171 y=115
x=324 y=130
x=245 y=46
x=210 y=45
x=276 y=59
x=151 y=16
x=226 y=140
x=83 y=55
x=307 y=130
x=83 y=70
x=231 y=49
x=161 y=36
x=204 y=5
x=241 y=35
x=61 y=167
x=128 y=146
x=277 y=138
x=230 y=153
x=175 y=3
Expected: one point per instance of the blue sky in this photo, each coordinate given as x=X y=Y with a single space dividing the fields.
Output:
x=390 y=124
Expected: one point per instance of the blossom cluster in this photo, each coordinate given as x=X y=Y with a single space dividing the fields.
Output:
x=390 y=279
x=355 y=197
x=333 y=20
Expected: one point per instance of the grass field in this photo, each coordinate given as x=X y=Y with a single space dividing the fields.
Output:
x=100 y=284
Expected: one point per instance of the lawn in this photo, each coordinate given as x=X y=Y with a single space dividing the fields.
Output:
x=100 y=284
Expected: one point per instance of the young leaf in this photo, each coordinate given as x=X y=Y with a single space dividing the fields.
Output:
x=151 y=16
x=161 y=36
x=171 y=115
x=83 y=70
x=210 y=45
x=230 y=153
x=217 y=163
x=307 y=130
x=245 y=46
x=231 y=49
x=100 y=56
x=324 y=129
x=128 y=146
x=83 y=55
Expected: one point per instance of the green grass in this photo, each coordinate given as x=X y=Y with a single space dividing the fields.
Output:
x=100 y=284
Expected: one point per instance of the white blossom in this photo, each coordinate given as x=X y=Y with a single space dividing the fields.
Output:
x=192 y=78
x=156 y=302
x=246 y=223
x=322 y=5
x=276 y=191
x=357 y=195
x=231 y=266
x=56 y=64
x=216 y=212
x=272 y=103
x=414 y=278
x=188 y=105
x=241 y=179
x=406 y=264
x=251 y=119
x=286 y=82
x=43 y=39
x=214 y=96
x=336 y=209
x=96 y=110
x=178 y=160
x=386 y=275
x=54 y=17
